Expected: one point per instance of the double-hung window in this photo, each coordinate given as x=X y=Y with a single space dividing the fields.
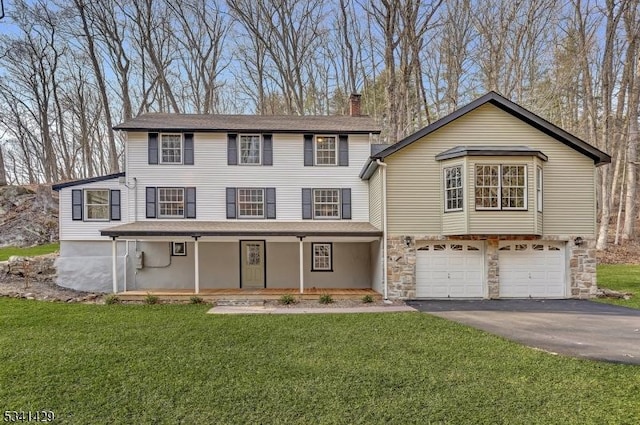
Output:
x=326 y=203
x=322 y=257
x=453 y=191
x=96 y=204
x=501 y=187
x=251 y=203
x=539 y=188
x=170 y=202
x=326 y=150
x=250 y=149
x=171 y=149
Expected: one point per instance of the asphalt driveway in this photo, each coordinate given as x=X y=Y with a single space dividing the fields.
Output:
x=576 y=328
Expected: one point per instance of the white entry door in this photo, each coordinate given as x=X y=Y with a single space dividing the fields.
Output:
x=532 y=269
x=450 y=270
x=252 y=264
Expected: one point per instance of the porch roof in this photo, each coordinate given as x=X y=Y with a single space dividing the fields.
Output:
x=242 y=228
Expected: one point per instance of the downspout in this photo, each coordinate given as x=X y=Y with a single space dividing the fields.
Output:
x=384 y=228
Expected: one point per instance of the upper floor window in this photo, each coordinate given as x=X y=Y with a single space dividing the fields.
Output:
x=96 y=204
x=170 y=202
x=171 y=149
x=501 y=187
x=250 y=152
x=326 y=203
x=453 y=192
x=326 y=150
x=250 y=203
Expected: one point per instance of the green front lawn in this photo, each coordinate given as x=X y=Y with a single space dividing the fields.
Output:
x=620 y=277
x=31 y=251
x=174 y=364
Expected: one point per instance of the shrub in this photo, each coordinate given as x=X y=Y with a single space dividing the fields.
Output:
x=151 y=299
x=367 y=299
x=326 y=299
x=111 y=299
x=287 y=299
x=196 y=300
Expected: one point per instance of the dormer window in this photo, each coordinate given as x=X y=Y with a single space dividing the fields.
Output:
x=171 y=149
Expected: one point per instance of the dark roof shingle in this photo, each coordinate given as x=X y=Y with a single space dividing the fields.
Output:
x=271 y=123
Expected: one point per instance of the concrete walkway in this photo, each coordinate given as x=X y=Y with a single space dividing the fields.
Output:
x=577 y=328
x=307 y=310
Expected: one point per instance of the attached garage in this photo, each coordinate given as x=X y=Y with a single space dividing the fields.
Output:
x=532 y=269
x=451 y=269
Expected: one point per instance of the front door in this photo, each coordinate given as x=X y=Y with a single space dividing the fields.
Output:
x=252 y=264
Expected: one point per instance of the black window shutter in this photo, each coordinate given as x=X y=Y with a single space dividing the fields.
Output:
x=153 y=148
x=271 y=202
x=267 y=149
x=231 y=202
x=306 y=204
x=115 y=205
x=343 y=150
x=232 y=149
x=190 y=194
x=308 y=149
x=151 y=202
x=187 y=148
x=76 y=204
x=346 y=204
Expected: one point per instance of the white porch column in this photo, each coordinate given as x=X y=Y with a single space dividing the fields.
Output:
x=114 y=264
x=301 y=264
x=197 y=264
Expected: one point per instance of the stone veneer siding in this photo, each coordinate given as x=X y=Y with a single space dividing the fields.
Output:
x=401 y=267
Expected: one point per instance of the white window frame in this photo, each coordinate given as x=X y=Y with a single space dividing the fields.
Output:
x=86 y=204
x=238 y=202
x=500 y=188
x=162 y=190
x=316 y=204
x=539 y=188
x=240 y=137
x=334 y=150
x=447 y=189
x=161 y=148
x=328 y=265
x=179 y=249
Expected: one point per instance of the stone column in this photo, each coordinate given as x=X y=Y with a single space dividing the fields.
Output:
x=582 y=268
x=401 y=267
x=493 y=269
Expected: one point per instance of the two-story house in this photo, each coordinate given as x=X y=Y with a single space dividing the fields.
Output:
x=491 y=201
x=225 y=201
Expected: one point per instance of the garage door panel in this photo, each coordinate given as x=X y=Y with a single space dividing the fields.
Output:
x=454 y=270
x=533 y=269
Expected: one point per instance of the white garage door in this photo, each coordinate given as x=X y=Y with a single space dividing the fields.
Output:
x=532 y=269
x=450 y=270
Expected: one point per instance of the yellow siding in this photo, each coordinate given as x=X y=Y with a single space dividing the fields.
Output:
x=414 y=193
x=375 y=198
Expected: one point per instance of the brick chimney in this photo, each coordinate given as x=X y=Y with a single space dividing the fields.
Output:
x=354 y=104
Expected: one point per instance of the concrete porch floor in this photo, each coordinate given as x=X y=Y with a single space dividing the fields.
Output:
x=247 y=294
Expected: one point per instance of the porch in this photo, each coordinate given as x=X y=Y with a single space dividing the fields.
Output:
x=249 y=294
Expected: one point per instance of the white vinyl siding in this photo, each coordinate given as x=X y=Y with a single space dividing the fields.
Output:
x=415 y=202
x=211 y=175
x=88 y=230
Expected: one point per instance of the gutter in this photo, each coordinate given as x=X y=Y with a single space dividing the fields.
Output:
x=384 y=227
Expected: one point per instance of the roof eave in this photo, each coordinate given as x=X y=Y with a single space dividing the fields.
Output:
x=59 y=186
x=182 y=233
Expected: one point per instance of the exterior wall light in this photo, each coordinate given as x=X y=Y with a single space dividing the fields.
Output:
x=578 y=241
x=407 y=241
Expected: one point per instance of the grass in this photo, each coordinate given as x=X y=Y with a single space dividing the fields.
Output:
x=174 y=364
x=620 y=277
x=31 y=251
